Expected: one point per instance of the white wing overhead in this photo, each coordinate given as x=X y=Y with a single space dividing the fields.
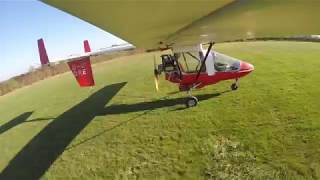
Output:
x=155 y=23
x=143 y=23
x=248 y=19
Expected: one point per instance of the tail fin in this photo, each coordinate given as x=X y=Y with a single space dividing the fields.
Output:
x=42 y=52
x=86 y=46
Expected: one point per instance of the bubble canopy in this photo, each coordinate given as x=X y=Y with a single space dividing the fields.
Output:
x=190 y=60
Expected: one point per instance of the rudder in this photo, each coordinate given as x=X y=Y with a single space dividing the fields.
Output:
x=86 y=46
x=42 y=52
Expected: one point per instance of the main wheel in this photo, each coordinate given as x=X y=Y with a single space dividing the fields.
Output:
x=191 y=102
x=234 y=86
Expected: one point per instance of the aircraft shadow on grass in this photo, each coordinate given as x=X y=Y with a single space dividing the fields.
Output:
x=35 y=158
x=15 y=121
x=143 y=106
x=146 y=107
x=22 y=118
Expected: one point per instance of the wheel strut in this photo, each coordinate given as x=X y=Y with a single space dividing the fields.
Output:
x=191 y=101
x=234 y=86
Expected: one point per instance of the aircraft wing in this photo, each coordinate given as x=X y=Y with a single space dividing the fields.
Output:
x=156 y=23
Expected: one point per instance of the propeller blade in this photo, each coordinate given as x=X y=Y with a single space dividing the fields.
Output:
x=155 y=73
x=156 y=83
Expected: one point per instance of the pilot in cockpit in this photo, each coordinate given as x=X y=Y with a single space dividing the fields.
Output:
x=225 y=63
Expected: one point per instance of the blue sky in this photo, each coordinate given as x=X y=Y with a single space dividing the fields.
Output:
x=23 y=22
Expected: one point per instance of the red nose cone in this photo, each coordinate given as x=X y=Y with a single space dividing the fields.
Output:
x=246 y=67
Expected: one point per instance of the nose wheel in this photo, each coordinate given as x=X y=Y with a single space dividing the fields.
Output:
x=234 y=86
x=191 y=101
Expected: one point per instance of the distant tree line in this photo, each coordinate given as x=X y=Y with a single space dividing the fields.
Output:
x=311 y=38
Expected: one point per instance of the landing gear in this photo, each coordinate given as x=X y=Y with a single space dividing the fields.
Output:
x=191 y=101
x=234 y=86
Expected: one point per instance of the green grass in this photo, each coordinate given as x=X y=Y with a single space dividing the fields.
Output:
x=269 y=128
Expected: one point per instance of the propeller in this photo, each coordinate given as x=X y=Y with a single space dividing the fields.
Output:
x=156 y=74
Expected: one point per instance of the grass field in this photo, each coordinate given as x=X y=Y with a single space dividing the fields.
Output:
x=122 y=129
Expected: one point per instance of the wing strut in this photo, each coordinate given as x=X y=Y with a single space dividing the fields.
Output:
x=204 y=61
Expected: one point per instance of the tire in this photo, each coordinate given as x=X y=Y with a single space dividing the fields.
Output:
x=191 y=102
x=234 y=86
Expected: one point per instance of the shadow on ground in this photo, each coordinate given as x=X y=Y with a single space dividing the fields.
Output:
x=22 y=118
x=146 y=107
x=37 y=156
x=14 y=122
x=143 y=106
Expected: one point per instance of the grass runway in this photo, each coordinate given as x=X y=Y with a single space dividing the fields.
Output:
x=122 y=129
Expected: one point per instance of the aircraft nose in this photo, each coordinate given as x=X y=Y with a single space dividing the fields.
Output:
x=246 y=67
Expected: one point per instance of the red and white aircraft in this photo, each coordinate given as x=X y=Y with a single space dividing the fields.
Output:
x=194 y=67
x=183 y=26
